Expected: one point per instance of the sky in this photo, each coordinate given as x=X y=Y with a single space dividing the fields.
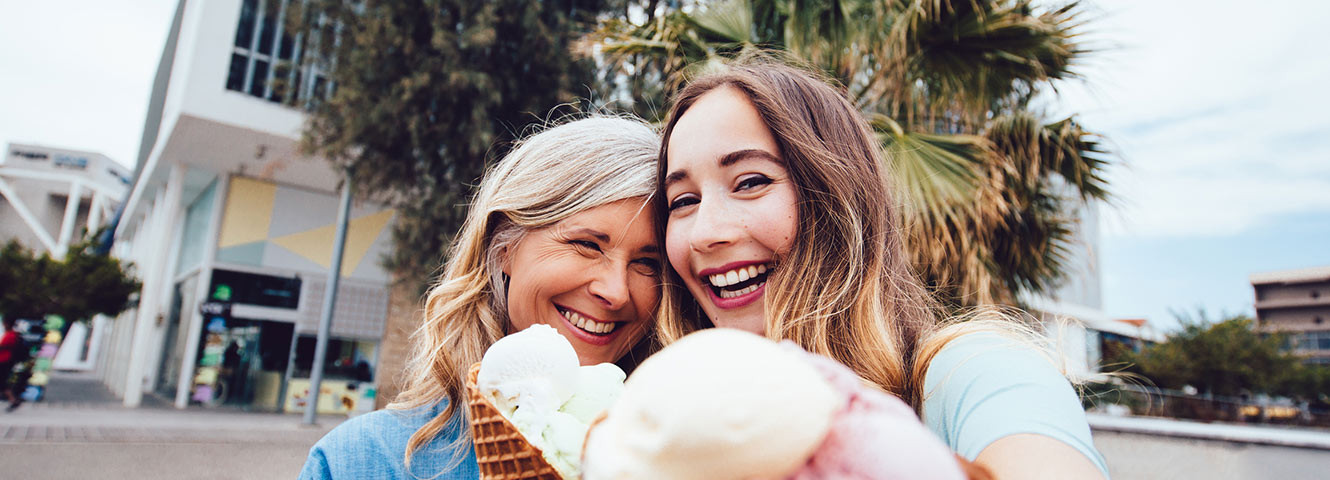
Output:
x=77 y=73
x=1217 y=112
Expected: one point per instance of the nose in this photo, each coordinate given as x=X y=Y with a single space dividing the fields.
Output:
x=712 y=227
x=609 y=285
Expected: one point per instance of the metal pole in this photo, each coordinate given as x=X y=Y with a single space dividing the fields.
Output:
x=329 y=300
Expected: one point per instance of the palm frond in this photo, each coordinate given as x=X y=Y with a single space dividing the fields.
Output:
x=729 y=22
x=966 y=55
x=942 y=182
x=988 y=191
x=1035 y=150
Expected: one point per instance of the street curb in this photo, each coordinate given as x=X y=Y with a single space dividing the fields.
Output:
x=1209 y=431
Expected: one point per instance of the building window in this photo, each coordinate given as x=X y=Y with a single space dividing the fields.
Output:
x=268 y=61
x=1310 y=341
x=347 y=359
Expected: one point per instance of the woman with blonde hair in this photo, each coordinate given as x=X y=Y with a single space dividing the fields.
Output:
x=779 y=219
x=560 y=233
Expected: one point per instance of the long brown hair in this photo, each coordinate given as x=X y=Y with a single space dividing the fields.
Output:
x=844 y=289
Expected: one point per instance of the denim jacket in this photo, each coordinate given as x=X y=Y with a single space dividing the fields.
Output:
x=374 y=446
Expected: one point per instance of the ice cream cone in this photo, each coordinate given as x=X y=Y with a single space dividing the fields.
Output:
x=501 y=451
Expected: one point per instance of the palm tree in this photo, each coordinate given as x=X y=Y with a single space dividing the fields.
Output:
x=990 y=186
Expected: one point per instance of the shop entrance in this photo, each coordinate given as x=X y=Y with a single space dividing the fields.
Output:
x=242 y=363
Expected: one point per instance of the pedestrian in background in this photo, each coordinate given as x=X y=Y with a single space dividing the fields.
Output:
x=12 y=352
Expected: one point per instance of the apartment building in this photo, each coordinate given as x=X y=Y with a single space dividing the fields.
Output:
x=1296 y=302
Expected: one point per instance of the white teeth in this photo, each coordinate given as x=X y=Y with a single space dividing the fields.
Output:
x=586 y=323
x=743 y=291
x=741 y=274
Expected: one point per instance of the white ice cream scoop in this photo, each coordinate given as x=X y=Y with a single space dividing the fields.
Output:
x=718 y=404
x=535 y=368
x=533 y=379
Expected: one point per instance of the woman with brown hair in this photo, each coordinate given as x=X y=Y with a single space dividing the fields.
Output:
x=780 y=221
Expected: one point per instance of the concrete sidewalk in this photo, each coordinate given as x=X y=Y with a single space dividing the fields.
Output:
x=1161 y=448
x=153 y=441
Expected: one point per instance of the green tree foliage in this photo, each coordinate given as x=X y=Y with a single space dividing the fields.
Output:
x=426 y=91
x=1309 y=383
x=1225 y=357
x=989 y=183
x=77 y=287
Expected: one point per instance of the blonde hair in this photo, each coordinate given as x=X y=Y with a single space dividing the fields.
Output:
x=845 y=289
x=548 y=177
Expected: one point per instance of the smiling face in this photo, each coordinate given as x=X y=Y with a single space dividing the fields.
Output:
x=732 y=207
x=593 y=276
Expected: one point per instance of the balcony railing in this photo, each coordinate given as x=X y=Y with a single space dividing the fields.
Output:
x=1295 y=302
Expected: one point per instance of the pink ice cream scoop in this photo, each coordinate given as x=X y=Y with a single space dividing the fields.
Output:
x=875 y=435
x=729 y=405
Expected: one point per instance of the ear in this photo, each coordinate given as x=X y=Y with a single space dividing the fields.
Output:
x=505 y=260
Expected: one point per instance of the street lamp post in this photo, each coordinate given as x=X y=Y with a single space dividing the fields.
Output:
x=329 y=301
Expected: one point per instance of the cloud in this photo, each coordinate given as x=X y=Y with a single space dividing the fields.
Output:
x=85 y=71
x=1217 y=108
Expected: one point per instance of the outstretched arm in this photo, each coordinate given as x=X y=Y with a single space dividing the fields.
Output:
x=1033 y=456
x=1005 y=406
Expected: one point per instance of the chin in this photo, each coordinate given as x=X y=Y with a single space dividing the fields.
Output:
x=595 y=358
x=750 y=324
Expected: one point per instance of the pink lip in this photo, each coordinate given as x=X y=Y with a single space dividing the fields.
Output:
x=729 y=266
x=736 y=302
x=583 y=335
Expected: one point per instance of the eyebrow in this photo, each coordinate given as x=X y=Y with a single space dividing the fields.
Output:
x=599 y=235
x=724 y=161
x=674 y=176
x=734 y=157
x=605 y=238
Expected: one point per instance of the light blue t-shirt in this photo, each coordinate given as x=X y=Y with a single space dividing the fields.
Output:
x=982 y=387
x=373 y=445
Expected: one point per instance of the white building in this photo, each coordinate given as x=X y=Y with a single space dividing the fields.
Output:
x=50 y=196
x=224 y=210
x=1073 y=314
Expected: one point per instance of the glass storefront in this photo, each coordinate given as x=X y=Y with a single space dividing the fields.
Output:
x=248 y=363
x=348 y=375
x=242 y=363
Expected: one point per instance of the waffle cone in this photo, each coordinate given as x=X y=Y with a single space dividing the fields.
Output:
x=501 y=451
